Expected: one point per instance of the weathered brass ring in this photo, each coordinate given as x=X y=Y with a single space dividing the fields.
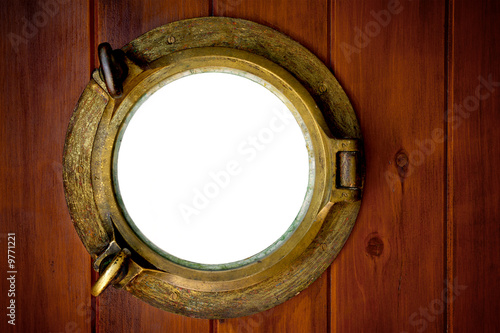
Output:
x=312 y=94
x=169 y=68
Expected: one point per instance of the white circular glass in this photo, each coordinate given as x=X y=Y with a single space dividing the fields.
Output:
x=213 y=168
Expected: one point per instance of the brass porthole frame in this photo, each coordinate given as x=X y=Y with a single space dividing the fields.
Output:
x=123 y=258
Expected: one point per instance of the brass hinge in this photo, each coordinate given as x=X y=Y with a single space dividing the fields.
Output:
x=348 y=179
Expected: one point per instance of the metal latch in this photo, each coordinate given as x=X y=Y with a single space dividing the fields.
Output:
x=348 y=161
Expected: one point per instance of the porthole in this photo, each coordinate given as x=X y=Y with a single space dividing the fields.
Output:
x=213 y=167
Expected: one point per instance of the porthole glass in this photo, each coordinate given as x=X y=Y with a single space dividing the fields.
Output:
x=213 y=168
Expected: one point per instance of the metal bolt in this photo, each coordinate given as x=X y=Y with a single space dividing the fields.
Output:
x=171 y=39
x=323 y=88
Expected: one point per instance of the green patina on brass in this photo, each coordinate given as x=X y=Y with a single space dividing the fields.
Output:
x=302 y=254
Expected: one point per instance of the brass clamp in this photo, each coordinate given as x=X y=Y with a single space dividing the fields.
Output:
x=113 y=70
x=110 y=272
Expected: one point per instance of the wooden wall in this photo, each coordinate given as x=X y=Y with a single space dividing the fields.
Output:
x=423 y=78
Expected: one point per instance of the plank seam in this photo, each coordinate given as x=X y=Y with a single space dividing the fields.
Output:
x=449 y=239
x=329 y=44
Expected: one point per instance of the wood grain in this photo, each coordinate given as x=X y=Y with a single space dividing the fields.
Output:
x=393 y=263
x=305 y=312
x=119 y=311
x=119 y=22
x=42 y=77
x=422 y=222
x=307 y=23
x=304 y=21
x=474 y=155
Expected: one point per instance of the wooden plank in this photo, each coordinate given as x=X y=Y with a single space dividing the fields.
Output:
x=307 y=23
x=474 y=155
x=45 y=66
x=119 y=22
x=121 y=312
x=304 y=21
x=390 y=58
x=306 y=312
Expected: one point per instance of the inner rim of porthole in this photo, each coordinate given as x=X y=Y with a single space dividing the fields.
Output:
x=307 y=196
